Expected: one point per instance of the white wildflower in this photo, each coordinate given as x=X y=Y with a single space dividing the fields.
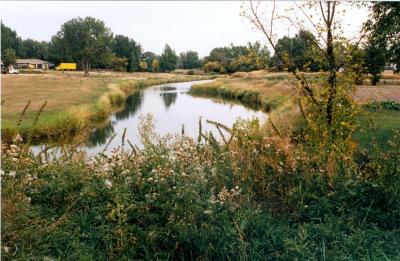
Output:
x=12 y=173
x=108 y=183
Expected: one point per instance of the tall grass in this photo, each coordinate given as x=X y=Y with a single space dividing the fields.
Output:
x=254 y=196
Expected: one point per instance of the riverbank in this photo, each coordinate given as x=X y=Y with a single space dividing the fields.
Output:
x=259 y=90
x=70 y=101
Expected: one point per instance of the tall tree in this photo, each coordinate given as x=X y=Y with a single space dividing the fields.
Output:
x=10 y=40
x=298 y=51
x=149 y=57
x=190 y=60
x=35 y=49
x=329 y=108
x=375 y=61
x=8 y=57
x=155 y=65
x=385 y=27
x=168 y=59
x=87 y=41
x=124 y=47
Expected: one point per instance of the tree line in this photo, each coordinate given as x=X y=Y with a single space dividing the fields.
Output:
x=88 y=42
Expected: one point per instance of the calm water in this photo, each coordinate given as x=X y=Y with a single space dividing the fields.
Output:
x=171 y=106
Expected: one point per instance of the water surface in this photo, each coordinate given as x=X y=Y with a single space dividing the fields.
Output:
x=171 y=107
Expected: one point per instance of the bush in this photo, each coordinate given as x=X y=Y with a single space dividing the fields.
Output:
x=386 y=105
x=251 y=196
x=213 y=67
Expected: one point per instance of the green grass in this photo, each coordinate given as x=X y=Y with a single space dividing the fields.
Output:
x=378 y=127
x=256 y=198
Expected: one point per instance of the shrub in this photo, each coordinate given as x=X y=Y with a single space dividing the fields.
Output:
x=387 y=105
x=213 y=67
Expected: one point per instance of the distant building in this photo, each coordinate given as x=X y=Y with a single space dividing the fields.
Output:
x=31 y=64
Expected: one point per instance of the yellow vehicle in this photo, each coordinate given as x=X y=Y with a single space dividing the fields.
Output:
x=66 y=66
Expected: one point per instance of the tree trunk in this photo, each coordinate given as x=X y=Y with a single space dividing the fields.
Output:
x=332 y=72
x=85 y=66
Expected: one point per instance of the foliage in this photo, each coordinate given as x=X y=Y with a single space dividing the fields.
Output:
x=384 y=23
x=213 y=67
x=299 y=52
x=168 y=59
x=240 y=58
x=155 y=65
x=190 y=60
x=35 y=49
x=10 y=40
x=87 y=41
x=8 y=57
x=149 y=57
x=386 y=105
x=117 y=63
x=375 y=61
x=252 y=197
x=127 y=48
x=143 y=66
x=357 y=64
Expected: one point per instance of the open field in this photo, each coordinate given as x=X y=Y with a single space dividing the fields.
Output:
x=71 y=93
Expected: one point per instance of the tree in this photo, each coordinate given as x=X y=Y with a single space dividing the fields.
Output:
x=155 y=65
x=240 y=58
x=259 y=54
x=116 y=63
x=384 y=26
x=149 y=57
x=35 y=49
x=190 y=60
x=375 y=61
x=87 y=41
x=143 y=66
x=356 y=64
x=125 y=47
x=168 y=59
x=298 y=51
x=10 y=40
x=329 y=113
x=8 y=57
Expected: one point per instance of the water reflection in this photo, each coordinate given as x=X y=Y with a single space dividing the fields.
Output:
x=100 y=135
x=175 y=108
x=169 y=98
x=132 y=105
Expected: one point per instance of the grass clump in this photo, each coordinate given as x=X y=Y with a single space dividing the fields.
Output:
x=253 y=196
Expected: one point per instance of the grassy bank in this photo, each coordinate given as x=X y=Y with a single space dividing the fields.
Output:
x=72 y=101
x=265 y=91
x=258 y=197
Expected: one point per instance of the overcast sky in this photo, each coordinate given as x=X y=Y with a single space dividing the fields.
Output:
x=196 y=25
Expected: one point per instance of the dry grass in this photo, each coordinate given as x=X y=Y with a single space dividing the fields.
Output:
x=388 y=89
x=64 y=91
x=61 y=90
